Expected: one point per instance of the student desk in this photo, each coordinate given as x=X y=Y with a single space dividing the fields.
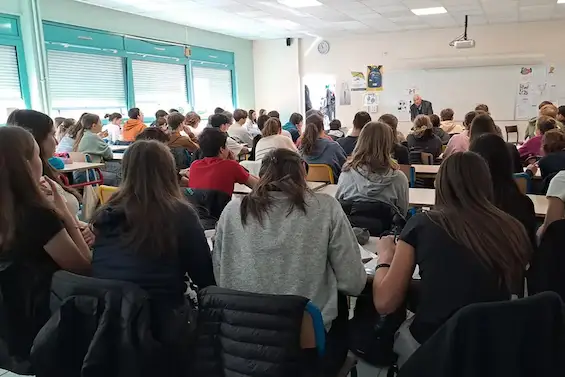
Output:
x=430 y=171
x=81 y=166
x=244 y=190
x=421 y=197
x=119 y=156
x=118 y=148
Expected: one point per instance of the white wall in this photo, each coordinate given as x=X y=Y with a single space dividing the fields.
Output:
x=81 y=14
x=506 y=44
x=277 y=78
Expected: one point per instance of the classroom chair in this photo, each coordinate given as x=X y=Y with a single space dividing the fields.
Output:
x=410 y=173
x=105 y=193
x=547 y=266
x=523 y=182
x=512 y=130
x=427 y=158
x=230 y=317
x=320 y=173
x=518 y=338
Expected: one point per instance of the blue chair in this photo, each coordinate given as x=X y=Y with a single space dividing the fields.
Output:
x=524 y=182
x=316 y=332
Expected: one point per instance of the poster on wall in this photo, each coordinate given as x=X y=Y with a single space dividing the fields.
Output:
x=375 y=78
x=370 y=99
x=358 y=83
x=529 y=90
x=344 y=94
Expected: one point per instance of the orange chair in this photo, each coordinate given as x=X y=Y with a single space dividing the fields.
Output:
x=320 y=173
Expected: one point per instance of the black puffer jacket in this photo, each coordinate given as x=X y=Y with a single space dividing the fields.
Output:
x=248 y=334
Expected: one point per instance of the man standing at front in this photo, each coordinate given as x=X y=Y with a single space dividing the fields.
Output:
x=420 y=107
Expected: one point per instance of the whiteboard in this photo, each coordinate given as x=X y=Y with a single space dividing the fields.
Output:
x=460 y=89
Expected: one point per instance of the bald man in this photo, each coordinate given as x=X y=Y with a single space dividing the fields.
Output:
x=420 y=107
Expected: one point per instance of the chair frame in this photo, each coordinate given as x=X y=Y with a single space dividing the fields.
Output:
x=330 y=179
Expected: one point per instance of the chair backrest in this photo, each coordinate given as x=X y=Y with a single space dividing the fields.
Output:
x=376 y=217
x=209 y=205
x=105 y=193
x=313 y=333
x=512 y=130
x=252 y=167
x=410 y=173
x=182 y=157
x=471 y=341
x=427 y=158
x=547 y=267
x=77 y=156
x=523 y=182
x=320 y=173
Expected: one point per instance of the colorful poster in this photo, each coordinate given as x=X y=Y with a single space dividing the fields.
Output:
x=358 y=83
x=374 y=78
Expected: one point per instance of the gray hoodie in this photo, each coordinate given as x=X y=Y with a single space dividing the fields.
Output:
x=327 y=152
x=362 y=186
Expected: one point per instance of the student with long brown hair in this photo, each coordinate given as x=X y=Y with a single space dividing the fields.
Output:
x=42 y=128
x=272 y=139
x=483 y=124
x=148 y=234
x=460 y=142
x=506 y=194
x=315 y=148
x=285 y=239
x=38 y=236
x=467 y=249
x=370 y=174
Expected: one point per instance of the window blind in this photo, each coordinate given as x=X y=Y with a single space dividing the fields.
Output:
x=79 y=80
x=9 y=75
x=212 y=88
x=159 y=83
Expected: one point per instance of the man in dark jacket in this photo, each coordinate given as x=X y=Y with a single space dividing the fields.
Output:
x=420 y=107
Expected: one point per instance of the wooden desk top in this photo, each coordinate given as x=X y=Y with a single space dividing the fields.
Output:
x=116 y=148
x=244 y=190
x=81 y=166
x=420 y=197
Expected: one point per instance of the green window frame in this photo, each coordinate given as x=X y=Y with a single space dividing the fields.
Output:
x=131 y=49
x=10 y=35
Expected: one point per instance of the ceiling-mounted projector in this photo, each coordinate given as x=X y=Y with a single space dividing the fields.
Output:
x=462 y=41
x=470 y=43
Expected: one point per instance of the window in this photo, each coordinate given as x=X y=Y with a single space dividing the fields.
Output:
x=80 y=82
x=159 y=86
x=10 y=92
x=212 y=88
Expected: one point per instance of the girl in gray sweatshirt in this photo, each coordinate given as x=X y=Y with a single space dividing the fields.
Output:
x=284 y=239
x=370 y=174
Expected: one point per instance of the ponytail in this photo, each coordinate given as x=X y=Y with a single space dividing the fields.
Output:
x=272 y=127
x=314 y=126
x=113 y=116
x=85 y=122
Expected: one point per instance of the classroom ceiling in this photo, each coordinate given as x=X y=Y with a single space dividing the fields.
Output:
x=268 y=19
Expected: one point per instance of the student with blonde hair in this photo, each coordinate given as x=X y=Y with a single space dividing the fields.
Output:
x=272 y=139
x=423 y=139
x=370 y=174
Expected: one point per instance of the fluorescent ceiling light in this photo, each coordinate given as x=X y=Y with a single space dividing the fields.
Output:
x=300 y=3
x=429 y=11
x=560 y=1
